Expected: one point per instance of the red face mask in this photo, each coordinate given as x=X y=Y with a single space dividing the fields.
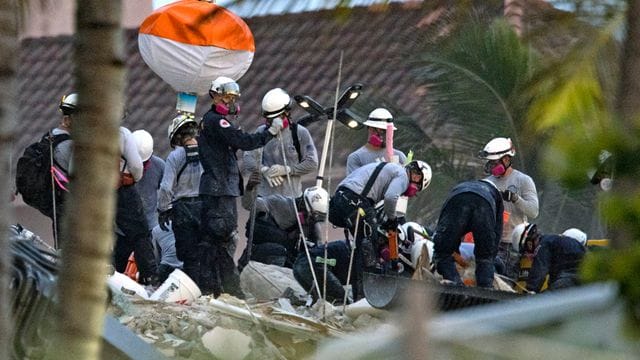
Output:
x=231 y=109
x=376 y=140
x=498 y=170
x=285 y=122
x=412 y=190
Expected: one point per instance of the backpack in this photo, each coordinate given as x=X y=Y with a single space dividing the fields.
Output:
x=33 y=173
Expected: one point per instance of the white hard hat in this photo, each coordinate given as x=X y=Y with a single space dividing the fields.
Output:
x=516 y=235
x=497 y=148
x=275 y=102
x=424 y=168
x=178 y=122
x=144 y=142
x=316 y=200
x=69 y=103
x=224 y=85
x=412 y=237
x=576 y=234
x=378 y=119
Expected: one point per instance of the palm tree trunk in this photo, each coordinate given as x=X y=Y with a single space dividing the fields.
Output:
x=628 y=110
x=87 y=235
x=8 y=89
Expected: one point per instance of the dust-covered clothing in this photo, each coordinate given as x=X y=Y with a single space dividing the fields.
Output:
x=525 y=208
x=559 y=257
x=476 y=207
x=302 y=163
x=366 y=155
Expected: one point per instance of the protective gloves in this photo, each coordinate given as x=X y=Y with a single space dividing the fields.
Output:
x=165 y=218
x=276 y=125
x=254 y=180
x=509 y=195
x=279 y=170
x=272 y=181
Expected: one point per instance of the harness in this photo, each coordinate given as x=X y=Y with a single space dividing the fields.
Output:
x=192 y=157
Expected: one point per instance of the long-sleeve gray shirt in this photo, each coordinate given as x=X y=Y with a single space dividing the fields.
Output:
x=131 y=162
x=63 y=152
x=365 y=155
x=525 y=208
x=392 y=181
x=148 y=188
x=172 y=188
x=272 y=154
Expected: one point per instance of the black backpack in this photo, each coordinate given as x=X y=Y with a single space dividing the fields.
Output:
x=33 y=173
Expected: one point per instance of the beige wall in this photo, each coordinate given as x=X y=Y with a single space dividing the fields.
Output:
x=57 y=17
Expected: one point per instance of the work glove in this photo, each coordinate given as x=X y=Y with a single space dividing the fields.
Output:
x=272 y=181
x=509 y=195
x=276 y=125
x=254 y=180
x=279 y=170
x=165 y=218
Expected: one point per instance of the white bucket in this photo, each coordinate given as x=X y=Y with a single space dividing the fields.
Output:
x=122 y=284
x=178 y=288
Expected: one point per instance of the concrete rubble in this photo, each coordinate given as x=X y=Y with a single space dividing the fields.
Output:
x=280 y=327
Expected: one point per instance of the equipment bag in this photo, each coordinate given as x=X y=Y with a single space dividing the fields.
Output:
x=34 y=171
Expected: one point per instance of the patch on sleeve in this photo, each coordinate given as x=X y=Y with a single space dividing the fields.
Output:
x=224 y=123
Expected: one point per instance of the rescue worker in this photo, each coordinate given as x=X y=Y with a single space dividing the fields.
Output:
x=179 y=205
x=411 y=238
x=62 y=154
x=221 y=181
x=300 y=151
x=153 y=170
x=133 y=232
x=374 y=149
x=472 y=206
x=558 y=256
x=518 y=191
x=365 y=187
x=276 y=235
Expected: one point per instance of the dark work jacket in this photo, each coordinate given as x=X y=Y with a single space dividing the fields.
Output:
x=218 y=142
x=487 y=191
x=338 y=250
x=556 y=255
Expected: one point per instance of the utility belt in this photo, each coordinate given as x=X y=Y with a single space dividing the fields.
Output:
x=353 y=198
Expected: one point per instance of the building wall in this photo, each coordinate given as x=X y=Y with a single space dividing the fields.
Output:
x=53 y=18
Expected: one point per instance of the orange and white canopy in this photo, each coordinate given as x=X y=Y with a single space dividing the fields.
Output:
x=189 y=43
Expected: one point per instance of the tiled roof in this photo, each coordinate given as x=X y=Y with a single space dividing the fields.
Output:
x=298 y=52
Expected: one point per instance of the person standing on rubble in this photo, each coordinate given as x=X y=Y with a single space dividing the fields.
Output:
x=362 y=189
x=300 y=151
x=374 y=150
x=221 y=181
x=179 y=205
x=472 y=206
x=558 y=256
x=518 y=191
x=133 y=232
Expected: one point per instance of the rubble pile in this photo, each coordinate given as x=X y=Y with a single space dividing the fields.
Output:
x=229 y=328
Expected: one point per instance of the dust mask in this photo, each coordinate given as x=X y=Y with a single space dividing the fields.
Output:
x=376 y=140
x=412 y=190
